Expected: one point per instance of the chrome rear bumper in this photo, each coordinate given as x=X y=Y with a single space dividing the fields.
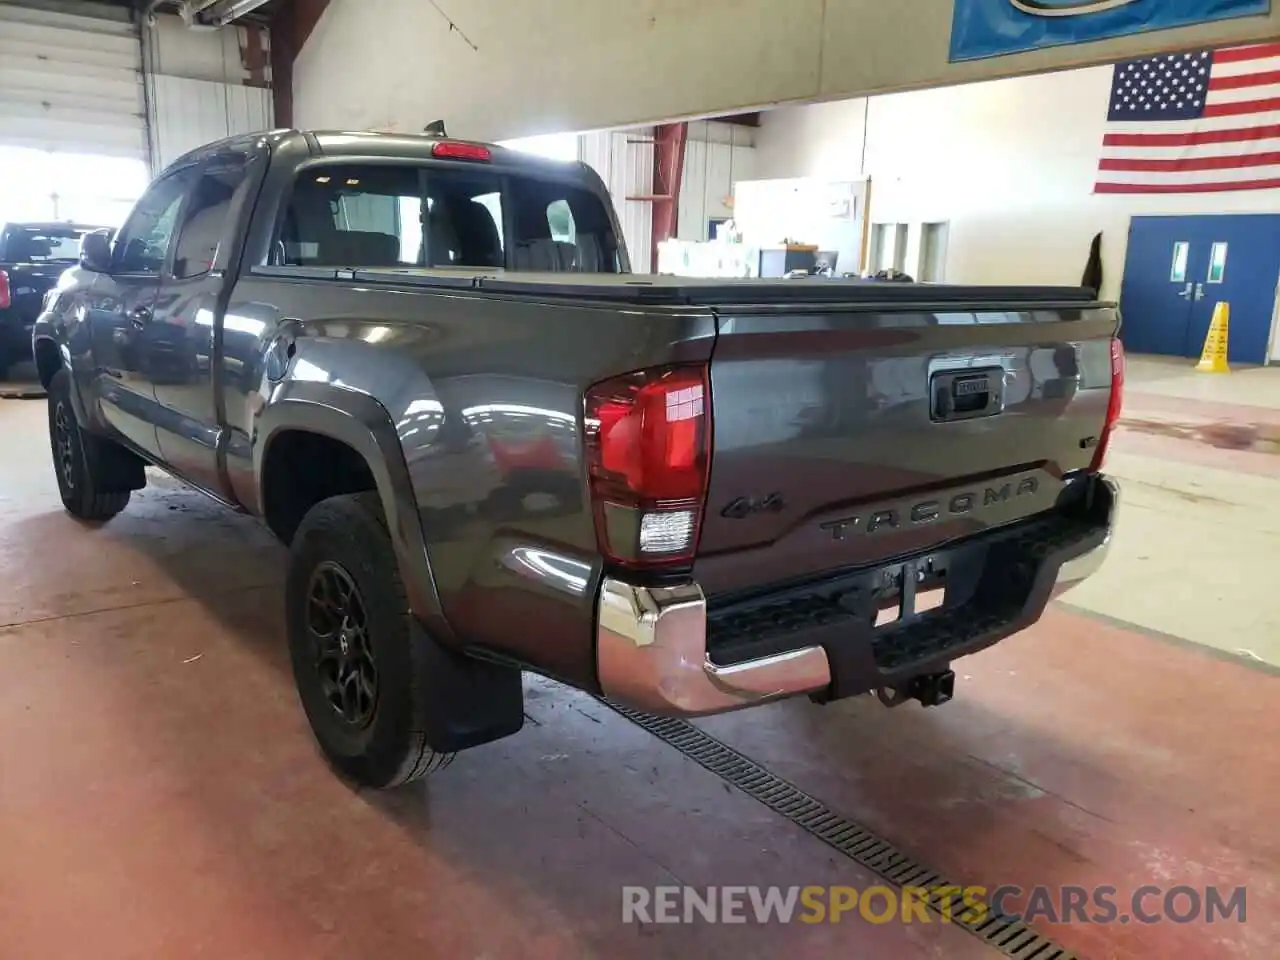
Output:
x=651 y=654
x=1078 y=569
x=651 y=647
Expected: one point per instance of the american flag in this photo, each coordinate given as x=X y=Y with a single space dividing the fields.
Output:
x=1207 y=121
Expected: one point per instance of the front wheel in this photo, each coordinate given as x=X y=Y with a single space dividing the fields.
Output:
x=356 y=648
x=76 y=457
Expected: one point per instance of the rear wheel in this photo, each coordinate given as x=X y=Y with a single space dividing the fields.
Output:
x=356 y=650
x=78 y=457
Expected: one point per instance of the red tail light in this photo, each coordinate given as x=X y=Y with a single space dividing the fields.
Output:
x=647 y=440
x=6 y=298
x=1114 y=405
x=457 y=150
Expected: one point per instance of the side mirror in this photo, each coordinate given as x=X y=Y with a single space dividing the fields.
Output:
x=95 y=251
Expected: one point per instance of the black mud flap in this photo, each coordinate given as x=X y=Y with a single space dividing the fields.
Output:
x=469 y=701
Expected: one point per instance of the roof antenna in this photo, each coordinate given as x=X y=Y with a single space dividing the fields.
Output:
x=435 y=129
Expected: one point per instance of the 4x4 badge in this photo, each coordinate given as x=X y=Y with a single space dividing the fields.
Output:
x=744 y=507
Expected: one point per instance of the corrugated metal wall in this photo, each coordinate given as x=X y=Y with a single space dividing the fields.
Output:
x=624 y=160
x=186 y=114
x=710 y=171
x=71 y=82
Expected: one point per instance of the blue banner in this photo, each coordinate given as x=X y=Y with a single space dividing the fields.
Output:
x=994 y=28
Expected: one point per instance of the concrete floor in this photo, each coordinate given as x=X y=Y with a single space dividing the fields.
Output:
x=160 y=795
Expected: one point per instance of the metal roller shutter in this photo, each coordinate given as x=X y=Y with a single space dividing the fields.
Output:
x=71 y=81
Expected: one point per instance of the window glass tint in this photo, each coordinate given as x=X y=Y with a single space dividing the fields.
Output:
x=204 y=220
x=42 y=244
x=144 y=241
x=436 y=216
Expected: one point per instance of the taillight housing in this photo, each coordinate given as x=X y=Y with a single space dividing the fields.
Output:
x=1114 y=405
x=6 y=296
x=648 y=437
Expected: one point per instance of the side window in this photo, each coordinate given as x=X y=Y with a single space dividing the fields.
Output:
x=143 y=243
x=561 y=228
x=560 y=219
x=204 y=221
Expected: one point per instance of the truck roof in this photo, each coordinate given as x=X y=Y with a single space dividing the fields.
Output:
x=368 y=143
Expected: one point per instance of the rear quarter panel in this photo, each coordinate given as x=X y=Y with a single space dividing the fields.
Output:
x=485 y=394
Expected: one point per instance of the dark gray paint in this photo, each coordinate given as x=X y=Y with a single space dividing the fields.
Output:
x=431 y=379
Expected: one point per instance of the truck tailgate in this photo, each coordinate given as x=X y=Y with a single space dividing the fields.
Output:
x=844 y=435
x=28 y=283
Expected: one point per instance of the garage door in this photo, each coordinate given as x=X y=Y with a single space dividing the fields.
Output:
x=71 y=82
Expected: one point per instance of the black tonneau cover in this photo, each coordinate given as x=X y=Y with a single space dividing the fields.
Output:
x=643 y=290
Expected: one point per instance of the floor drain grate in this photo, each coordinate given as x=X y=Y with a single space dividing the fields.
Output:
x=1010 y=937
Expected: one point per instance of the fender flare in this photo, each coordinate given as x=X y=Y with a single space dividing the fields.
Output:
x=363 y=424
x=64 y=352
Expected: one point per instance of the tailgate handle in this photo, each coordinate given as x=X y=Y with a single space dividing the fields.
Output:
x=967 y=394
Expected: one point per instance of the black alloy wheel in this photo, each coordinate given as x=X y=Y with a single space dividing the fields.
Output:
x=95 y=476
x=339 y=627
x=64 y=444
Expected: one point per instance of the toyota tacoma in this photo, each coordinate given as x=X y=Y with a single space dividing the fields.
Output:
x=425 y=364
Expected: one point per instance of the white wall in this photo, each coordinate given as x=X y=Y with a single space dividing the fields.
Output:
x=502 y=68
x=1010 y=164
x=198 y=87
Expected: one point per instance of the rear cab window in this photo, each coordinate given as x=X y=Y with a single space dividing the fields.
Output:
x=444 y=216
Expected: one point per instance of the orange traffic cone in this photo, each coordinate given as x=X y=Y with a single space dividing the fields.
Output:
x=1213 y=359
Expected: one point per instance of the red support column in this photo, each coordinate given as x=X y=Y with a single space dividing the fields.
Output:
x=290 y=28
x=668 y=170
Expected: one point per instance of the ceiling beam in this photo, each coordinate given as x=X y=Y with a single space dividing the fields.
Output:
x=740 y=119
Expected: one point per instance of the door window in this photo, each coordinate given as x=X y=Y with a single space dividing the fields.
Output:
x=1217 y=262
x=143 y=243
x=204 y=220
x=1181 y=250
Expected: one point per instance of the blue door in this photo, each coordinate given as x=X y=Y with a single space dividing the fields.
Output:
x=1178 y=268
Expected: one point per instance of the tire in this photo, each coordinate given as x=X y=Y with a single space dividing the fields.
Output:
x=76 y=458
x=373 y=733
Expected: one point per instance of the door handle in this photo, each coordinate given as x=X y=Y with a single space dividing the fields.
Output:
x=140 y=316
x=1199 y=291
x=1186 y=293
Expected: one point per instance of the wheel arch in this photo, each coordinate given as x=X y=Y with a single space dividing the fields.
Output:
x=51 y=356
x=360 y=423
x=49 y=359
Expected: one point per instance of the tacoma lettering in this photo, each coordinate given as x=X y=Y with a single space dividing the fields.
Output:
x=929 y=511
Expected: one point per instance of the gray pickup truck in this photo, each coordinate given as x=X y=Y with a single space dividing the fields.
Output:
x=424 y=363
